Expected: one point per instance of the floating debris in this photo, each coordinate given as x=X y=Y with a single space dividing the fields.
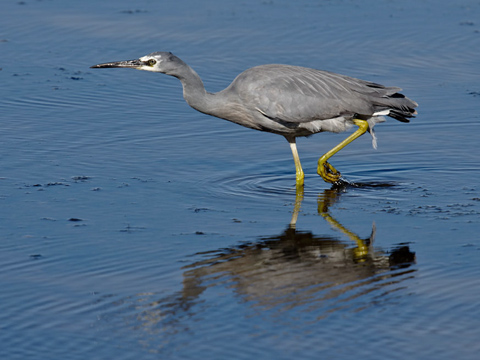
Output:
x=81 y=178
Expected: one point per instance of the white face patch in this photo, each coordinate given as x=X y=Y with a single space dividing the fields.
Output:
x=154 y=68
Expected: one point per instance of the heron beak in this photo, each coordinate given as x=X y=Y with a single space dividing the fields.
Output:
x=133 y=64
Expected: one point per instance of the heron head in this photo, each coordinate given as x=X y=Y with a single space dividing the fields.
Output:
x=163 y=62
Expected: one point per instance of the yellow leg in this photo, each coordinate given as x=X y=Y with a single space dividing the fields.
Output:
x=327 y=171
x=298 y=166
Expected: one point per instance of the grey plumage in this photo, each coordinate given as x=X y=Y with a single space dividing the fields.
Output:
x=287 y=100
x=293 y=100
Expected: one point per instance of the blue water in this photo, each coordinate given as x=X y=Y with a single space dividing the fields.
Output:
x=132 y=226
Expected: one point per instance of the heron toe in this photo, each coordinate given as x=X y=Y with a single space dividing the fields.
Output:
x=328 y=172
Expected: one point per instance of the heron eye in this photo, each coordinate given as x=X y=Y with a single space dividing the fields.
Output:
x=151 y=62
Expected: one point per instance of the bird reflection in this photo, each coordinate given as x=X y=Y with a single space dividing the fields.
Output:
x=286 y=273
x=299 y=268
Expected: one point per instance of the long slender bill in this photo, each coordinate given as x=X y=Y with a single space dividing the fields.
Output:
x=120 y=64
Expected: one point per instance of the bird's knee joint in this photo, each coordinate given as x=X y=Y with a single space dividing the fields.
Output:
x=362 y=124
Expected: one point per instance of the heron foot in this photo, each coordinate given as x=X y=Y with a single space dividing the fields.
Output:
x=327 y=171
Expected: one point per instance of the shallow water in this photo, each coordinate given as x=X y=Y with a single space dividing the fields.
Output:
x=132 y=226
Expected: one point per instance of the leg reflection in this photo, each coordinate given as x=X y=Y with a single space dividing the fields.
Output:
x=326 y=199
x=296 y=207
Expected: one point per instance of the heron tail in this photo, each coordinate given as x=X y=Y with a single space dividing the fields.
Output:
x=398 y=106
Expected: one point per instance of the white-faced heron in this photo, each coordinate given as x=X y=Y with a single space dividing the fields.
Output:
x=287 y=100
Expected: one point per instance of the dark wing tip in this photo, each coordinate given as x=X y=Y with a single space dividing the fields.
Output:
x=402 y=116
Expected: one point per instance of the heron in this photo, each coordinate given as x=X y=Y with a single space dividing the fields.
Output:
x=288 y=100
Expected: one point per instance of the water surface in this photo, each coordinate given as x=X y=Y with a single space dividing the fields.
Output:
x=132 y=226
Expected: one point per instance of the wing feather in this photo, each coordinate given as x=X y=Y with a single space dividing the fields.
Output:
x=297 y=94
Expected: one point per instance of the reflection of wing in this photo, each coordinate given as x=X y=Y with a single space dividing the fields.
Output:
x=296 y=94
x=296 y=268
x=293 y=270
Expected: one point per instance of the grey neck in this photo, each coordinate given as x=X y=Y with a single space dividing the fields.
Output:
x=194 y=92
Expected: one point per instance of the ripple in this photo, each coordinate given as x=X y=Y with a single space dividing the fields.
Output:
x=260 y=185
